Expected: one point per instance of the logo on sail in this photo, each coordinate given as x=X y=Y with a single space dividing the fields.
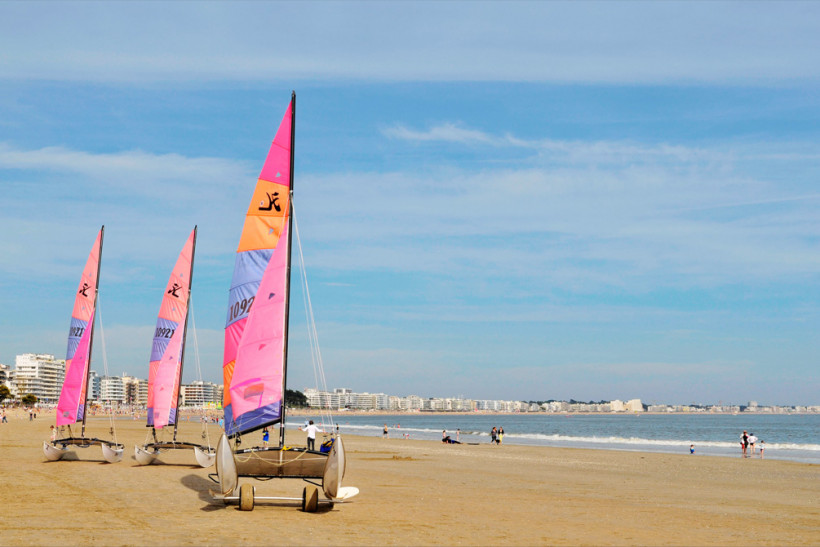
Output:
x=173 y=290
x=273 y=202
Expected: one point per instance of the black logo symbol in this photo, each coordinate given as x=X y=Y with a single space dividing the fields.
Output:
x=173 y=290
x=84 y=289
x=273 y=203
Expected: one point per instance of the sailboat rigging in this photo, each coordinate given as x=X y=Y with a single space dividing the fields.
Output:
x=72 y=406
x=256 y=347
x=167 y=360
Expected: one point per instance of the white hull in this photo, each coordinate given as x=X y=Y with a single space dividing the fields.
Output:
x=112 y=454
x=145 y=457
x=53 y=453
x=203 y=458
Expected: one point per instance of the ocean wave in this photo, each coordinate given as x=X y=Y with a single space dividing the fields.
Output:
x=538 y=438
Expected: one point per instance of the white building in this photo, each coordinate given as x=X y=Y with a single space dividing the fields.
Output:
x=199 y=394
x=39 y=374
x=634 y=405
x=112 y=389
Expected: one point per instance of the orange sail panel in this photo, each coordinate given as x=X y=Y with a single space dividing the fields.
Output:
x=254 y=361
x=166 y=352
x=72 y=401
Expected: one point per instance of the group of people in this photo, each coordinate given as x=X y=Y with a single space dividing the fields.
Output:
x=749 y=444
x=386 y=433
x=497 y=435
x=445 y=438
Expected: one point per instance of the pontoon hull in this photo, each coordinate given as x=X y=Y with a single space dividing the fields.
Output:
x=274 y=462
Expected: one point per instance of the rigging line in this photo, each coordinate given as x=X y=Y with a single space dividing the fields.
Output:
x=313 y=334
x=105 y=366
x=198 y=367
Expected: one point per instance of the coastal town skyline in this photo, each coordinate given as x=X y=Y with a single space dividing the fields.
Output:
x=41 y=375
x=507 y=200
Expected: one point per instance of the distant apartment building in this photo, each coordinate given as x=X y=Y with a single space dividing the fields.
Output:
x=112 y=389
x=199 y=394
x=5 y=370
x=39 y=374
x=634 y=405
x=94 y=386
x=135 y=390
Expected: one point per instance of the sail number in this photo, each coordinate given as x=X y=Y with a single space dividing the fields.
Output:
x=164 y=333
x=241 y=308
x=76 y=331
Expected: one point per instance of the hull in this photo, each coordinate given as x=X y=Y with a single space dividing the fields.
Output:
x=147 y=454
x=274 y=462
x=112 y=452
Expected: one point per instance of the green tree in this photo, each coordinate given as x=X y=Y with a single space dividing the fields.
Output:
x=29 y=399
x=5 y=392
x=295 y=398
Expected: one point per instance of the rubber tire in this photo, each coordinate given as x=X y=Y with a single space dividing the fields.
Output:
x=246 y=492
x=310 y=499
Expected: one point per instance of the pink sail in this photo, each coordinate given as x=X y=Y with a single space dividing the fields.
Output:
x=166 y=382
x=254 y=361
x=72 y=395
x=170 y=322
x=71 y=404
x=258 y=382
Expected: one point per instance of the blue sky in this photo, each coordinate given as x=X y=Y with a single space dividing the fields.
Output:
x=518 y=200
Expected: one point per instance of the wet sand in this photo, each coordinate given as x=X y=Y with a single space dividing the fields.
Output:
x=412 y=493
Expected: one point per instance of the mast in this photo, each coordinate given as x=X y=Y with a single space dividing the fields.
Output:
x=287 y=283
x=185 y=333
x=91 y=341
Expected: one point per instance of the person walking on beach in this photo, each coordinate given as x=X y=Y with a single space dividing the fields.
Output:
x=752 y=441
x=385 y=434
x=311 y=435
x=500 y=435
x=762 y=447
x=494 y=436
x=265 y=437
x=744 y=442
x=458 y=435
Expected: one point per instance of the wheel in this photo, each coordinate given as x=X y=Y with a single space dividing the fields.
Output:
x=246 y=492
x=310 y=499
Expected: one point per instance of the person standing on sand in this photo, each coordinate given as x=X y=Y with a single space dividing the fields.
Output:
x=385 y=434
x=311 y=435
x=691 y=449
x=752 y=441
x=744 y=442
x=762 y=447
x=500 y=435
x=493 y=436
x=265 y=437
x=458 y=434
x=53 y=434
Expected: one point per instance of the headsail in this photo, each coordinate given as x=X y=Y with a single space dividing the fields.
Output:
x=71 y=405
x=254 y=358
x=169 y=338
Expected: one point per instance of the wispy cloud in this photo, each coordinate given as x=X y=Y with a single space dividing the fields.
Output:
x=513 y=41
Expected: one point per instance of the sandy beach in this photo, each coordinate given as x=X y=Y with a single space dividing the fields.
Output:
x=412 y=493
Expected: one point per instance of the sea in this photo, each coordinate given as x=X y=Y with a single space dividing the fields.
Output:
x=794 y=437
